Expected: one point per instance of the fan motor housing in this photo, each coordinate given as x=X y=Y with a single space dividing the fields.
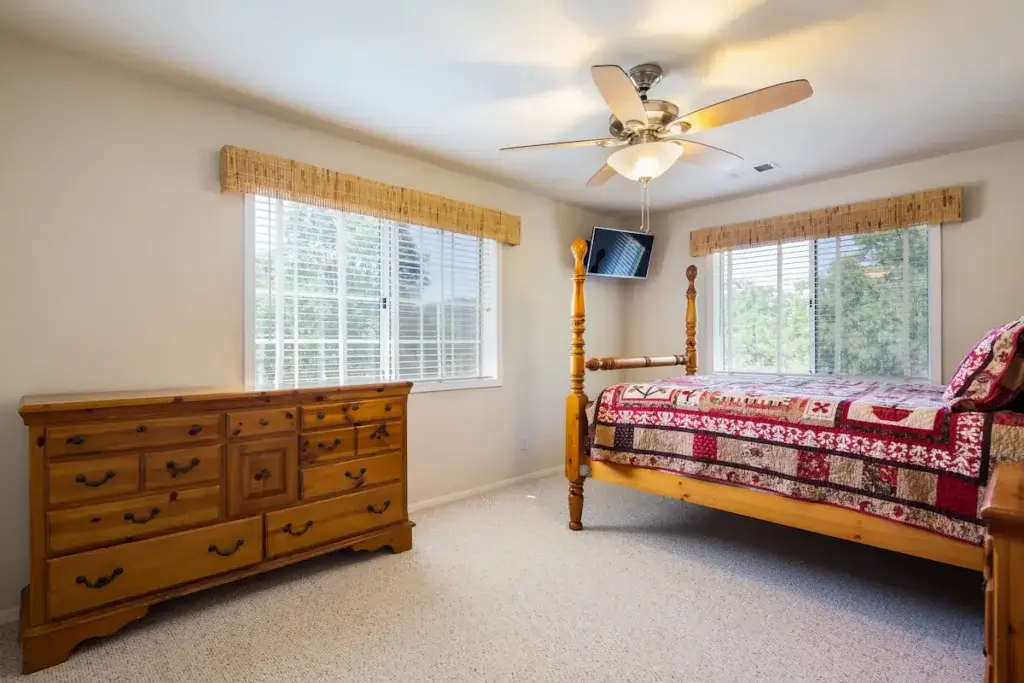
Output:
x=659 y=112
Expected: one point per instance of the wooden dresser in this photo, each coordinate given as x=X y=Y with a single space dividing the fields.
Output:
x=137 y=498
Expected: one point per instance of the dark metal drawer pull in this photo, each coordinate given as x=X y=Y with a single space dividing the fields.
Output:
x=174 y=470
x=387 y=407
x=76 y=440
x=130 y=517
x=328 y=446
x=287 y=528
x=262 y=474
x=358 y=479
x=380 y=432
x=102 y=581
x=226 y=553
x=107 y=476
x=141 y=429
x=195 y=430
x=264 y=421
x=320 y=415
x=381 y=511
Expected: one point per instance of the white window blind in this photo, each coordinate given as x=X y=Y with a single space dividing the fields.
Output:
x=857 y=305
x=340 y=298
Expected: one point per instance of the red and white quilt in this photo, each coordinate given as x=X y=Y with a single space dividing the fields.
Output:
x=892 y=450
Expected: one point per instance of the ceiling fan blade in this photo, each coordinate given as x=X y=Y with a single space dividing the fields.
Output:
x=745 y=106
x=603 y=175
x=596 y=142
x=619 y=93
x=705 y=155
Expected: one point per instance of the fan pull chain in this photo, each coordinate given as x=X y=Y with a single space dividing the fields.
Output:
x=645 y=206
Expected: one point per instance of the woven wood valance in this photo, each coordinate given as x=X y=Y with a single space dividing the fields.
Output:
x=931 y=206
x=245 y=171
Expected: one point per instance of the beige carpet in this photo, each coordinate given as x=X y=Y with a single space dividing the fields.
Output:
x=497 y=589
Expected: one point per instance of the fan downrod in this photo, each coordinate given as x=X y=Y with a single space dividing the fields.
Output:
x=645 y=77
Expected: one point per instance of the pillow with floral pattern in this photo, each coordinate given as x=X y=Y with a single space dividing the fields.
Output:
x=992 y=374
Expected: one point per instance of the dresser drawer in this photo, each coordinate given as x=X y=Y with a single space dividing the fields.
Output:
x=248 y=423
x=106 y=523
x=82 y=480
x=378 y=437
x=88 y=580
x=309 y=525
x=262 y=474
x=105 y=436
x=182 y=467
x=350 y=475
x=328 y=445
x=350 y=413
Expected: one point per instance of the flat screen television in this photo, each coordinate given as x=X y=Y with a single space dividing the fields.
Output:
x=620 y=253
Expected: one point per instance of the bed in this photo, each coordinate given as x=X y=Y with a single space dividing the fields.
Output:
x=887 y=465
x=893 y=451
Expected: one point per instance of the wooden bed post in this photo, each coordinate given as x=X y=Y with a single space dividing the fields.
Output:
x=691 y=321
x=576 y=402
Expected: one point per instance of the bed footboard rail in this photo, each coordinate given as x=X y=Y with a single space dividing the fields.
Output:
x=689 y=358
x=630 y=362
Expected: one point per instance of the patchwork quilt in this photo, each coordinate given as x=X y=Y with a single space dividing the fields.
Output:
x=892 y=450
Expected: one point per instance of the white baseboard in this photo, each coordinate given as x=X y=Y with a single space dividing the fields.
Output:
x=480 y=490
x=10 y=614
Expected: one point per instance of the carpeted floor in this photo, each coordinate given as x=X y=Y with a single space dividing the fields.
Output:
x=497 y=589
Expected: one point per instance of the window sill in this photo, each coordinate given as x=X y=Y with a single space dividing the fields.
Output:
x=426 y=386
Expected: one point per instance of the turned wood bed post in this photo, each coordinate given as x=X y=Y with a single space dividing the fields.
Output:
x=691 y=321
x=576 y=402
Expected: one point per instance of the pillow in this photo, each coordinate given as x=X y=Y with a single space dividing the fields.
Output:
x=992 y=374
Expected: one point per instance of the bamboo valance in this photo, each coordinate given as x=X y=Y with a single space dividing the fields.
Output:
x=930 y=206
x=246 y=171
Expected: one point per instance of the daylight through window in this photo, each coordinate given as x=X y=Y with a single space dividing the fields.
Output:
x=341 y=298
x=858 y=305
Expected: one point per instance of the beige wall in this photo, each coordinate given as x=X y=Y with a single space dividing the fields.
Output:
x=121 y=267
x=982 y=273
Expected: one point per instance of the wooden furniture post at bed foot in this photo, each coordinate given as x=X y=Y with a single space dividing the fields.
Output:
x=576 y=504
x=576 y=401
x=1003 y=512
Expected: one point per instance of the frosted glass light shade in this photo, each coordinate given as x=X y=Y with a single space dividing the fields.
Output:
x=645 y=160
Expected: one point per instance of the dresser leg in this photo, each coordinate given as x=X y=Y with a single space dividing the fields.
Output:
x=49 y=645
x=398 y=538
x=401 y=539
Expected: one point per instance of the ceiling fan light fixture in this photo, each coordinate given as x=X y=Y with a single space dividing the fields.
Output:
x=645 y=160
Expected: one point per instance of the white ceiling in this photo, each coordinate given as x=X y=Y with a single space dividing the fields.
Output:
x=454 y=80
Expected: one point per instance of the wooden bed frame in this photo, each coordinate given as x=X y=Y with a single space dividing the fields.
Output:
x=817 y=517
x=1001 y=559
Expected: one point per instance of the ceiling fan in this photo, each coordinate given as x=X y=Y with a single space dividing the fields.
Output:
x=652 y=134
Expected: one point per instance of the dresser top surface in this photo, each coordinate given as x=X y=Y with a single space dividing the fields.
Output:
x=55 y=403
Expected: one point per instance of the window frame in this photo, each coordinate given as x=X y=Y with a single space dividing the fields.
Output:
x=934 y=318
x=491 y=335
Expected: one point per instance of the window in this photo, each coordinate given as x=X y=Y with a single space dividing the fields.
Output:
x=859 y=305
x=340 y=298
